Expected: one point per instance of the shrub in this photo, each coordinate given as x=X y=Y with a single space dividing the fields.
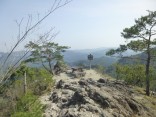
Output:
x=28 y=106
x=17 y=104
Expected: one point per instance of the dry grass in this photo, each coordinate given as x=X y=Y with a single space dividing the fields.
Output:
x=148 y=102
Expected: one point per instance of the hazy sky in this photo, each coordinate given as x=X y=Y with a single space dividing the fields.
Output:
x=83 y=24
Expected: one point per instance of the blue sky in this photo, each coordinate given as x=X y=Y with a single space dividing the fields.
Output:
x=83 y=24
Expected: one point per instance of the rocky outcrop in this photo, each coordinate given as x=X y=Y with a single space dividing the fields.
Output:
x=91 y=98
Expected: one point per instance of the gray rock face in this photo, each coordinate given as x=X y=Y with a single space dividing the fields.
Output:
x=91 y=98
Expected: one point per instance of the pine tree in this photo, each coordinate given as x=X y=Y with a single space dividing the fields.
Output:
x=140 y=37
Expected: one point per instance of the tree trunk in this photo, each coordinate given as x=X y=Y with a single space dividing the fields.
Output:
x=51 y=70
x=147 y=70
x=147 y=78
x=25 y=83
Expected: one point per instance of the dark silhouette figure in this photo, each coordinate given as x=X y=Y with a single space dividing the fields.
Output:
x=57 y=69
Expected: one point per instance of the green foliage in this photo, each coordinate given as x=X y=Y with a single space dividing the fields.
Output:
x=38 y=80
x=100 y=69
x=153 y=80
x=42 y=81
x=5 y=107
x=138 y=45
x=142 y=28
x=119 y=50
x=14 y=100
x=46 y=52
x=28 y=106
x=132 y=74
x=110 y=52
x=110 y=70
x=144 y=31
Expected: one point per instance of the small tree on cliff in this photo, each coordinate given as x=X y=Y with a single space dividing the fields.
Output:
x=46 y=53
x=141 y=37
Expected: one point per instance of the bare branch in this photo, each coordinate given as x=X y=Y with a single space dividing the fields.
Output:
x=53 y=5
x=153 y=34
x=39 y=41
x=19 y=28
x=59 y=5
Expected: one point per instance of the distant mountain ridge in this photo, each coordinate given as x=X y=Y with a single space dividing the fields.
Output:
x=72 y=57
x=76 y=57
